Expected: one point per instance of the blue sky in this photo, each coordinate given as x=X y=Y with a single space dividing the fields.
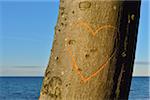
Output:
x=26 y=35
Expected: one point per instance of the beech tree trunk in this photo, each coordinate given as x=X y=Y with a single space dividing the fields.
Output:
x=93 y=51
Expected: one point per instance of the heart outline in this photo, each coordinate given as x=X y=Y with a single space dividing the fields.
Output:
x=102 y=66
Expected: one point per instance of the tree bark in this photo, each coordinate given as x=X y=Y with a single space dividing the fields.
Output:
x=93 y=51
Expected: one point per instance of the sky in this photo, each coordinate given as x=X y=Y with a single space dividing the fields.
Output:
x=26 y=36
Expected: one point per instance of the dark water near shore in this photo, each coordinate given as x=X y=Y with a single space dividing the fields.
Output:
x=28 y=88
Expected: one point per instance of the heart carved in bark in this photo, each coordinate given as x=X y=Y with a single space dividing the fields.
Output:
x=93 y=33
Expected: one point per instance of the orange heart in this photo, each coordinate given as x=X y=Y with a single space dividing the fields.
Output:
x=75 y=66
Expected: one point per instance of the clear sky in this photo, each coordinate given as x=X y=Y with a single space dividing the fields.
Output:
x=26 y=35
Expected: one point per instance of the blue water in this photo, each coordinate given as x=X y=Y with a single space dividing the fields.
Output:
x=140 y=88
x=28 y=88
x=20 y=88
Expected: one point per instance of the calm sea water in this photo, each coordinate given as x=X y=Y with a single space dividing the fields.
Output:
x=28 y=88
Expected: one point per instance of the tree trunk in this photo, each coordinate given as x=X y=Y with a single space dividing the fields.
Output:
x=93 y=51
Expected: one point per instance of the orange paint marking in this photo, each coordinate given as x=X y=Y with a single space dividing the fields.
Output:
x=102 y=66
x=91 y=30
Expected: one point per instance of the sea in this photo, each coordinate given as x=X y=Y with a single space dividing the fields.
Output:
x=28 y=88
